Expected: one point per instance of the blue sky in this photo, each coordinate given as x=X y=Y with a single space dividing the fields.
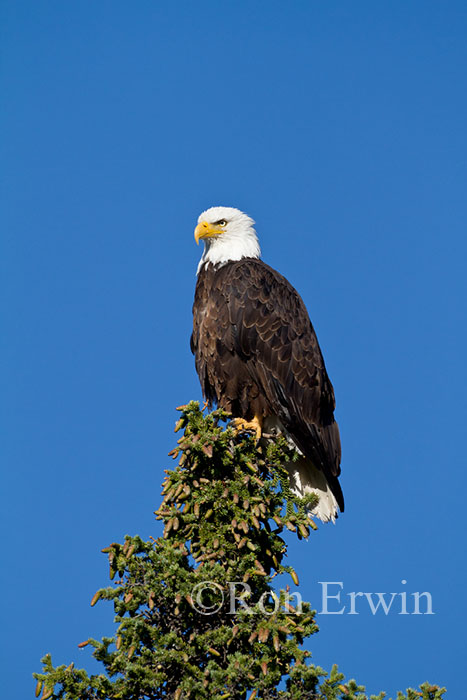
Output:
x=340 y=127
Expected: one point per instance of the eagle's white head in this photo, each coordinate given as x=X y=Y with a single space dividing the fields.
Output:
x=228 y=234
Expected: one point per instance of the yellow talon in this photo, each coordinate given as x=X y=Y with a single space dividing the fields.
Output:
x=255 y=426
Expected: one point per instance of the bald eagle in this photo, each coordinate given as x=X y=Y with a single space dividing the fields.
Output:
x=257 y=355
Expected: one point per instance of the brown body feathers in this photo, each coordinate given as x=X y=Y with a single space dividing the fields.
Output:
x=257 y=354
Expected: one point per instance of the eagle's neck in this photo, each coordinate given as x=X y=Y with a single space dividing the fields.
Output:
x=230 y=247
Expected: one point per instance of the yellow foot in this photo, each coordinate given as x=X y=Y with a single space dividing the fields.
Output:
x=255 y=426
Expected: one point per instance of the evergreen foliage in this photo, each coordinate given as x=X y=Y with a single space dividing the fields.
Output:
x=224 y=509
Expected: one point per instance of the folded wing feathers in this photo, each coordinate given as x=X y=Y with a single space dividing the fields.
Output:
x=261 y=322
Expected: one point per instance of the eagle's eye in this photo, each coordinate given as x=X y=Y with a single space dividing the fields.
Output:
x=222 y=222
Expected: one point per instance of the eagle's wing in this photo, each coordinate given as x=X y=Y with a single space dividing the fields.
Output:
x=270 y=329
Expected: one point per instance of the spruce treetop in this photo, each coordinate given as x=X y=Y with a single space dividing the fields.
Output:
x=196 y=610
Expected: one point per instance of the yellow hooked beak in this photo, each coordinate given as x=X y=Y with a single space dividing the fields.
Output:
x=205 y=230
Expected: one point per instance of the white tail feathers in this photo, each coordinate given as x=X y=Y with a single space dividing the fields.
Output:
x=306 y=479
